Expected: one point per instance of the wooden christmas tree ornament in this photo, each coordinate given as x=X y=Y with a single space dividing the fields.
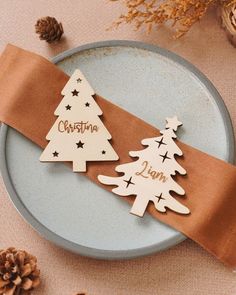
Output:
x=149 y=178
x=78 y=135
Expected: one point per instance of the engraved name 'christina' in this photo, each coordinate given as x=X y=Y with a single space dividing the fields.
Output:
x=79 y=127
x=148 y=172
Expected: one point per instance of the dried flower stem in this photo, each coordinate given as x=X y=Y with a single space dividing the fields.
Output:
x=181 y=14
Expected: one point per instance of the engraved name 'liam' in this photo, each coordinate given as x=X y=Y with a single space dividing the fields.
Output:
x=148 y=172
x=79 y=127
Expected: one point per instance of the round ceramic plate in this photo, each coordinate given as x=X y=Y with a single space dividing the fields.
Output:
x=68 y=209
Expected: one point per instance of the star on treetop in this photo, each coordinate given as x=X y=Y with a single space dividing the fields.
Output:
x=173 y=123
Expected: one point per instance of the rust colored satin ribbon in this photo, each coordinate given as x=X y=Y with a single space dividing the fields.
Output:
x=30 y=89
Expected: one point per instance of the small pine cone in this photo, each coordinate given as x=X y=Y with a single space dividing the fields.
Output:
x=49 y=29
x=18 y=272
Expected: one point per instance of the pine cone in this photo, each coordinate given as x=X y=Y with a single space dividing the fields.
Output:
x=49 y=29
x=18 y=272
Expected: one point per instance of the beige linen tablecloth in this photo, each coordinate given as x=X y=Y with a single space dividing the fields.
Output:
x=184 y=269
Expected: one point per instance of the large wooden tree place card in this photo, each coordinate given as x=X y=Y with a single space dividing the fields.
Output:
x=78 y=135
x=150 y=177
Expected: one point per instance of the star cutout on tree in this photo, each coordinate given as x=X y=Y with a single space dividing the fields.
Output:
x=160 y=142
x=68 y=107
x=128 y=181
x=55 y=154
x=160 y=198
x=103 y=152
x=75 y=92
x=80 y=144
x=173 y=123
x=164 y=157
x=79 y=80
x=87 y=104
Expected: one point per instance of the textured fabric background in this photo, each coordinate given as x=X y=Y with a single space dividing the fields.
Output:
x=184 y=269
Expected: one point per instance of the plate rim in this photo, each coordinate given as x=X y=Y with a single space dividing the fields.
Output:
x=113 y=254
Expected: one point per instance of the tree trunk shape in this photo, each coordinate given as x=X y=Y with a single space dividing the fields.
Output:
x=79 y=166
x=139 y=206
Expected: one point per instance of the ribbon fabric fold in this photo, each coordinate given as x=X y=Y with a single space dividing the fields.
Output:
x=30 y=89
